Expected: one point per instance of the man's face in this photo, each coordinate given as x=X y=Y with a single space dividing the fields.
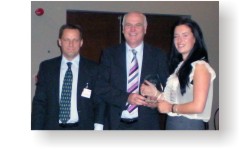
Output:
x=70 y=43
x=134 y=29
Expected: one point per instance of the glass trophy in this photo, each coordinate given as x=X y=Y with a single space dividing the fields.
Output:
x=155 y=80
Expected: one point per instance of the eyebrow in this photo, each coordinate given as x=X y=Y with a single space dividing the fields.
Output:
x=183 y=33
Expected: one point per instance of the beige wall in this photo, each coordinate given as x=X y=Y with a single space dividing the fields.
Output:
x=44 y=29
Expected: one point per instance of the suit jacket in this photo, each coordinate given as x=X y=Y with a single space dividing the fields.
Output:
x=112 y=85
x=45 y=105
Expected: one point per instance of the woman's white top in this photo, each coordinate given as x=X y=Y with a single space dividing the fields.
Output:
x=172 y=92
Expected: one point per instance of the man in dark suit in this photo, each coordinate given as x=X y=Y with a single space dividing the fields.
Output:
x=123 y=69
x=49 y=104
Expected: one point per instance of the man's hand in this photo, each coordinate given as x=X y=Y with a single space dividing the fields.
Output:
x=136 y=99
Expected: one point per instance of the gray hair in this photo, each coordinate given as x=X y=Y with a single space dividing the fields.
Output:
x=137 y=12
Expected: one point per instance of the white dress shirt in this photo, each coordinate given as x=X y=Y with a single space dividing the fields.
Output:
x=129 y=57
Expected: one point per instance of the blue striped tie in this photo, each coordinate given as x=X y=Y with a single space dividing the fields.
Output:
x=65 y=102
x=133 y=79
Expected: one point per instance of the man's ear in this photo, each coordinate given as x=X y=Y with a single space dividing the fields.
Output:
x=59 y=42
x=81 y=44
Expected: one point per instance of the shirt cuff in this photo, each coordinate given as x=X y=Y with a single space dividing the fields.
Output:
x=98 y=126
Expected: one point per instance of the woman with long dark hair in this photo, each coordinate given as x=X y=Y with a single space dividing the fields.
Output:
x=187 y=97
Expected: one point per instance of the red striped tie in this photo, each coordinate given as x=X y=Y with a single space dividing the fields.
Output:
x=133 y=79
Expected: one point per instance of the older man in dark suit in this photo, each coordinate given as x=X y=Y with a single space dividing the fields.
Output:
x=64 y=97
x=123 y=69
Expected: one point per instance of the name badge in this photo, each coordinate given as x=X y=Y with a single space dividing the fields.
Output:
x=86 y=92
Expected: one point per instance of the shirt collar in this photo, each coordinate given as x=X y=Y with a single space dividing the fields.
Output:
x=138 y=48
x=75 y=61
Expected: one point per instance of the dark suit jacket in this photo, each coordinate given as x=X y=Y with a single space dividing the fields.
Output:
x=45 y=105
x=111 y=86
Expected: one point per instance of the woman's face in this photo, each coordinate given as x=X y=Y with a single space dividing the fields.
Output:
x=184 y=40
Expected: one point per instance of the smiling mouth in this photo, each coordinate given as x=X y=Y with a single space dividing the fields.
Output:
x=132 y=34
x=181 y=46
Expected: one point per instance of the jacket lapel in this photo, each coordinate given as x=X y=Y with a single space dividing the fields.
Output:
x=82 y=77
x=56 y=83
x=120 y=58
x=148 y=62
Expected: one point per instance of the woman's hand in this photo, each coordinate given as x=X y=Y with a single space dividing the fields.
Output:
x=164 y=106
x=148 y=89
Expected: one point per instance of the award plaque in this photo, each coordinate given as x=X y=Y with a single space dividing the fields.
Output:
x=155 y=80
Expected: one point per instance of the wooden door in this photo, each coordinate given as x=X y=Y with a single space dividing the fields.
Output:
x=104 y=29
x=100 y=30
